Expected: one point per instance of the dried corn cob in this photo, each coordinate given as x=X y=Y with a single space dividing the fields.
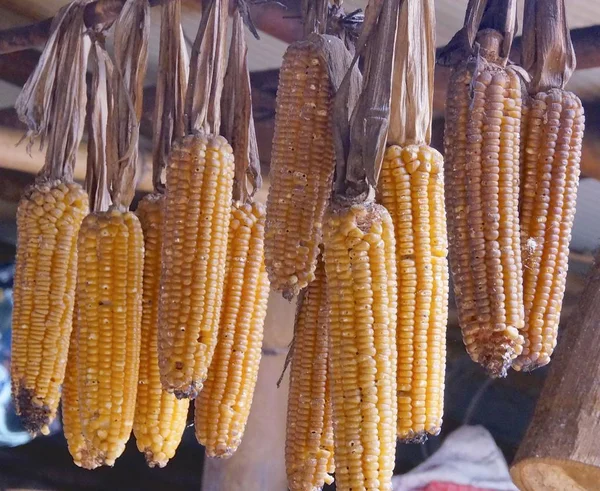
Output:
x=48 y=219
x=108 y=323
x=309 y=439
x=551 y=175
x=160 y=417
x=411 y=187
x=482 y=175
x=223 y=406
x=361 y=291
x=197 y=213
x=301 y=169
x=84 y=455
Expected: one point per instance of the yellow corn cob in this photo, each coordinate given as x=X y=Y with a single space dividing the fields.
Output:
x=160 y=417
x=361 y=291
x=309 y=439
x=551 y=176
x=223 y=406
x=48 y=219
x=108 y=323
x=84 y=455
x=302 y=168
x=197 y=213
x=411 y=187
x=482 y=177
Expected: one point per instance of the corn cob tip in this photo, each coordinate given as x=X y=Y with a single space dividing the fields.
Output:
x=413 y=438
x=88 y=460
x=223 y=451
x=189 y=392
x=523 y=364
x=153 y=460
x=35 y=416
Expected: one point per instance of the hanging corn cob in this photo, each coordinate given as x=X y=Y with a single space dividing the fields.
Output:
x=111 y=255
x=411 y=187
x=361 y=275
x=483 y=114
x=309 y=438
x=83 y=452
x=160 y=418
x=302 y=163
x=52 y=104
x=552 y=142
x=196 y=223
x=223 y=405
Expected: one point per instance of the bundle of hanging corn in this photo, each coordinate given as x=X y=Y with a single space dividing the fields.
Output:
x=552 y=135
x=360 y=266
x=52 y=104
x=309 y=452
x=223 y=406
x=111 y=255
x=411 y=187
x=195 y=226
x=160 y=418
x=481 y=143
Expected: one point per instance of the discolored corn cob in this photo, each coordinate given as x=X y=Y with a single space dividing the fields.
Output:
x=80 y=449
x=482 y=177
x=108 y=323
x=197 y=214
x=411 y=187
x=223 y=406
x=160 y=417
x=309 y=437
x=48 y=219
x=550 y=179
x=301 y=169
x=361 y=291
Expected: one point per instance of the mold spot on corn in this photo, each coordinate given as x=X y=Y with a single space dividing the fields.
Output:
x=48 y=219
x=360 y=265
x=197 y=213
x=302 y=168
x=411 y=187
x=223 y=406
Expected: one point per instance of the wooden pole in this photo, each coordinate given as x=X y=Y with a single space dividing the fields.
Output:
x=15 y=156
x=561 y=450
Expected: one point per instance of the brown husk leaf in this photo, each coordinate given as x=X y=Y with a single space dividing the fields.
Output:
x=370 y=119
x=481 y=15
x=131 y=54
x=547 y=51
x=97 y=124
x=314 y=16
x=52 y=102
x=170 y=90
x=412 y=81
x=207 y=67
x=237 y=123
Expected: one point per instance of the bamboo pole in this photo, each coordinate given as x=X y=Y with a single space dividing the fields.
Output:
x=561 y=450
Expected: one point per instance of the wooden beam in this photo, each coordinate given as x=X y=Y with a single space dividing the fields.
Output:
x=15 y=157
x=560 y=450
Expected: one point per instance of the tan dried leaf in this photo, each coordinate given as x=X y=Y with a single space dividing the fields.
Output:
x=52 y=102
